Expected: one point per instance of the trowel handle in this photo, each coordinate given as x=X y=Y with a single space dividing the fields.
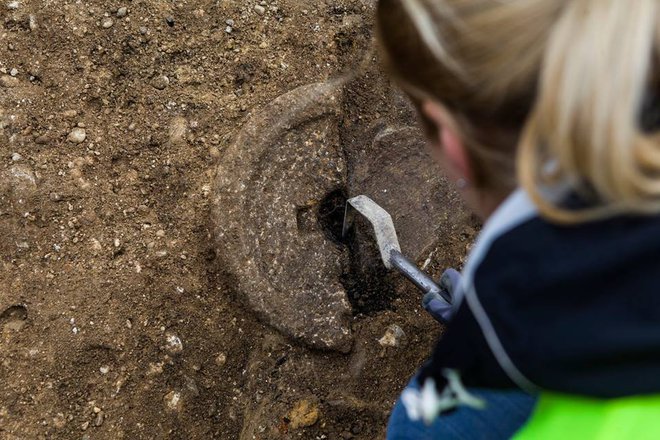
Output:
x=417 y=276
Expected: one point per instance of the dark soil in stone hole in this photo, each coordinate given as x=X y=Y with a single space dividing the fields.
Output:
x=366 y=280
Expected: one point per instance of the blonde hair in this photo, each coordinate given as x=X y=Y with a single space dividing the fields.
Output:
x=555 y=92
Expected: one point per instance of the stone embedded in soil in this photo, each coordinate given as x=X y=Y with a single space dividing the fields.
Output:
x=160 y=82
x=269 y=183
x=303 y=414
x=107 y=22
x=191 y=387
x=394 y=336
x=155 y=368
x=178 y=130
x=100 y=417
x=69 y=114
x=77 y=135
x=19 y=181
x=8 y=81
x=59 y=421
x=121 y=12
x=173 y=343
x=43 y=139
x=173 y=401
x=221 y=359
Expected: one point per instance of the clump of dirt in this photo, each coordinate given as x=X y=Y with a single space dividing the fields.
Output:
x=117 y=319
x=370 y=290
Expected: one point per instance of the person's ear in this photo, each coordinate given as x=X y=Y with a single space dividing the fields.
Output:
x=449 y=140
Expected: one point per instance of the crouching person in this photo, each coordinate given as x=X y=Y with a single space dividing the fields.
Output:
x=546 y=114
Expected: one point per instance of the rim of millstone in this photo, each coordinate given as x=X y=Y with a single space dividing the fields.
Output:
x=291 y=279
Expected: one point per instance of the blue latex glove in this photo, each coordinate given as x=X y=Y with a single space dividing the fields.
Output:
x=435 y=304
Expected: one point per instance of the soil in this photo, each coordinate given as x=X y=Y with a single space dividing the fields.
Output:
x=117 y=319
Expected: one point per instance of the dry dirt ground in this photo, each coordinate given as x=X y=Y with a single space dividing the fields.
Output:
x=116 y=318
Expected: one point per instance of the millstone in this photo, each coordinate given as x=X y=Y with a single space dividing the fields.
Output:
x=269 y=187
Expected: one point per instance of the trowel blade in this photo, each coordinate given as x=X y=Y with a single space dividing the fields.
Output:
x=380 y=220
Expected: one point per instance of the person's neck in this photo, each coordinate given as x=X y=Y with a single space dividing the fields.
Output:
x=488 y=204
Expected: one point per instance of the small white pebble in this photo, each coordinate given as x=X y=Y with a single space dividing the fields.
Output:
x=13 y=72
x=173 y=401
x=393 y=337
x=174 y=344
x=104 y=369
x=77 y=135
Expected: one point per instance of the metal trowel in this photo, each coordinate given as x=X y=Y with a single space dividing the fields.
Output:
x=388 y=244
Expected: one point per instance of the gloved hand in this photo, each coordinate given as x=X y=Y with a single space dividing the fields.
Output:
x=435 y=304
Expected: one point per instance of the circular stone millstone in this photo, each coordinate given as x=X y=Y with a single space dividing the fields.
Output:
x=268 y=188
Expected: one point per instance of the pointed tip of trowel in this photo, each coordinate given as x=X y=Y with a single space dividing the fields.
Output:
x=380 y=220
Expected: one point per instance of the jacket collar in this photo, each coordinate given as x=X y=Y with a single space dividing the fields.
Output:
x=516 y=209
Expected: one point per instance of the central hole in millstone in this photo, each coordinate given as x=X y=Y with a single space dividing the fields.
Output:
x=330 y=214
x=367 y=282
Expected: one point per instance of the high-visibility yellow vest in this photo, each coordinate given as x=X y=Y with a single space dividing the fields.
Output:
x=560 y=417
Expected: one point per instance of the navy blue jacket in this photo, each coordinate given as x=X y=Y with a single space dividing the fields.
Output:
x=572 y=309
